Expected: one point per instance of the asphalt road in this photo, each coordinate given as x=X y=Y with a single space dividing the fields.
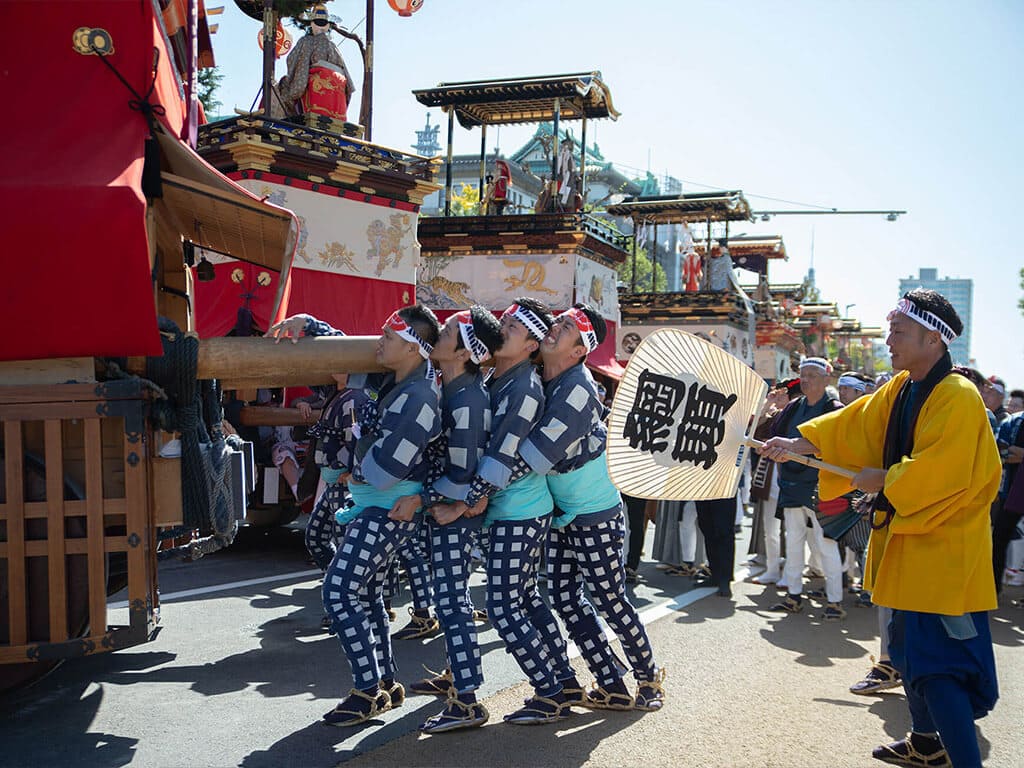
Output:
x=240 y=675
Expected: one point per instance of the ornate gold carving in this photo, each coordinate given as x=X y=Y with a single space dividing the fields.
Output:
x=252 y=155
x=532 y=276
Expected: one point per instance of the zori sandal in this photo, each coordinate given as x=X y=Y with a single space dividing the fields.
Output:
x=353 y=711
x=457 y=716
x=650 y=694
x=602 y=698
x=438 y=684
x=538 y=710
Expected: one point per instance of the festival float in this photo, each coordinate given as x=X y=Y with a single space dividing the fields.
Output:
x=557 y=252
x=110 y=414
x=711 y=304
x=356 y=203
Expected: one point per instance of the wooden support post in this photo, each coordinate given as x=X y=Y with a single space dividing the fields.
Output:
x=635 y=233
x=97 y=561
x=55 y=554
x=17 y=607
x=583 y=161
x=448 y=164
x=366 y=102
x=554 y=151
x=654 y=259
x=483 y=164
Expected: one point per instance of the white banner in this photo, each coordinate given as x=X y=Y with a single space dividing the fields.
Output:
x=596 y=285
x=494 y=280
x=737 y=342
x=347 y=237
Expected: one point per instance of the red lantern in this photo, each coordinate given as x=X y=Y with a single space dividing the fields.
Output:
x=405 y=7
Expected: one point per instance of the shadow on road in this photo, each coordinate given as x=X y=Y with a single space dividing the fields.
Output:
x=64 y=737
x=566 y=744
x=1006 y=626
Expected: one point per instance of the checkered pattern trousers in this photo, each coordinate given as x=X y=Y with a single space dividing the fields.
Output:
x=584 y=558
x=415 y=556
x=451 y=556
x=391 y=586
x=353 y=593
x=322 y=532
x=523 y=620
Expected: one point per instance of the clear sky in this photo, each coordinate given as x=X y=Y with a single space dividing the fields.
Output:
x=853 y=105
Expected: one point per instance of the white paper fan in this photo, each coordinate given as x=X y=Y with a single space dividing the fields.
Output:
x=680 y=418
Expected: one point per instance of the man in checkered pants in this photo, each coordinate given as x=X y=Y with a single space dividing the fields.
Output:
x=518 y=515
x=389 y=463
x=585 y=544
x=468 y=338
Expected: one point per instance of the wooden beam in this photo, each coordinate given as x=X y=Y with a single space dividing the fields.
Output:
x=261 y=362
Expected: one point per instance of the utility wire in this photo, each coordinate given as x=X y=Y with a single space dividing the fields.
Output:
x=719 y=187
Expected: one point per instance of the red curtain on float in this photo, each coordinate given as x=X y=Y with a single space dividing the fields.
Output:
x=76 y=258
x=355 y=305
x=237 y=286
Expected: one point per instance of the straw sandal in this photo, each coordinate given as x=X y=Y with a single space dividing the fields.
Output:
x=650 y=694
x=418 y=626
x=342 y=715
x=903 y=752
x=538 y=710
x=438 y=684
x=457 y=716
x=790 y=604
x=395 y=692
x=881 y=677
x=574 y=697
x=681 y=570
x=834 y=612
x=602 y=698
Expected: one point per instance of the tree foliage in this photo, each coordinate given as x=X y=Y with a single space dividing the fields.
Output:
x=643 y=264
x=643 y=273
x=466 y=202
x=209 y=82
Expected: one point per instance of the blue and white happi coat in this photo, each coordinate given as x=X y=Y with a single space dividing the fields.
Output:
x=465 y=431
x=466 y=426
x=567 y=446
x=390 y=463
x=515 y=492
x=585 y=544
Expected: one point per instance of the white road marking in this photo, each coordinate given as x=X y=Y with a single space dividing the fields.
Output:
x=225 y=587
x=648 y=616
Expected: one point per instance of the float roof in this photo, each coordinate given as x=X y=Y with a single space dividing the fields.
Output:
x=522 y=99
x=677 y=209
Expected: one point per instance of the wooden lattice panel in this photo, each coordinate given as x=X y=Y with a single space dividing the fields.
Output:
x=75 y=520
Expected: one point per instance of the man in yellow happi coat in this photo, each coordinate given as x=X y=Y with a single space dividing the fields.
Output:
x=924 y=444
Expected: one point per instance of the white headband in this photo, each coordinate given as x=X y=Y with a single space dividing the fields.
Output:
x=478 y=351
x=817 y=362
x=923 y=317
x=403 y=329
x=853 y=382
x=586 y=328
x=536 y=327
